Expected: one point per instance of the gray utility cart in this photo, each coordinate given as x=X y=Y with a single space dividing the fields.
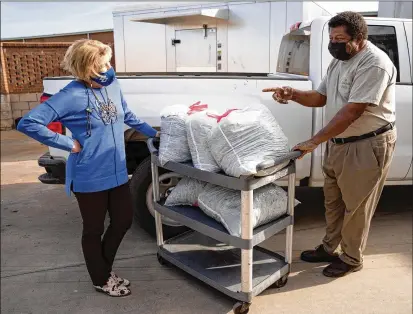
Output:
x=232 y=265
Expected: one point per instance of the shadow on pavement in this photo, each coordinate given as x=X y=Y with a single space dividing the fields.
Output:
x=42 y=262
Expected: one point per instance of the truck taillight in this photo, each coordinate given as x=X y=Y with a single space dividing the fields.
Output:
x=56 y=127
x=44 y=97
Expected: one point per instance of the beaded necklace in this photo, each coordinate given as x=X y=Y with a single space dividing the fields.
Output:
x=106 y=108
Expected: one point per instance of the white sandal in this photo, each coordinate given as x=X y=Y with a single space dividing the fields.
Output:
x=113 y=289
x=119 y=280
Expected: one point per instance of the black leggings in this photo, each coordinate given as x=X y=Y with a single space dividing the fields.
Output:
x=100 y=253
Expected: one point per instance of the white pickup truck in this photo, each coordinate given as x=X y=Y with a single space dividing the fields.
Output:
x=303 y=60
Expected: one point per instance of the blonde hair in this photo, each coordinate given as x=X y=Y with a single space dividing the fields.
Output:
x=86 y=58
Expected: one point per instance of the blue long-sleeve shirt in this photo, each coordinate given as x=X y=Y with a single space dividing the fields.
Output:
x=101 y=164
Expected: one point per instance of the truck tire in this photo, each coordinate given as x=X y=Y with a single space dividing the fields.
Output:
x=141 y=187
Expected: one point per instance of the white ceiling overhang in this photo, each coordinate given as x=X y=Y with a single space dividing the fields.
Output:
x=179 y=16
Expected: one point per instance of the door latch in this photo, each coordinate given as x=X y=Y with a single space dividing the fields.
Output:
x=175 y=41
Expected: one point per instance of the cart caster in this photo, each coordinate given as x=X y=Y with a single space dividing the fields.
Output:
x=161 y=260
x=241 y=308
x=281 y=282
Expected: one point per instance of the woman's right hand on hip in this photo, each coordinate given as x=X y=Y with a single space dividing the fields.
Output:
x=76 y=147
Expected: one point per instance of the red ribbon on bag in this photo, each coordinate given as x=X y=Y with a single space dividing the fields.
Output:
x=196 y=107
x=220 y=117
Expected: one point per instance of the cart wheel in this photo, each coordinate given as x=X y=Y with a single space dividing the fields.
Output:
x=281 y=282
x=241 y=308
x=161 y=260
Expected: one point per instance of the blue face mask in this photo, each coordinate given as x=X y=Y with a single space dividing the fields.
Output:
x=106 y=79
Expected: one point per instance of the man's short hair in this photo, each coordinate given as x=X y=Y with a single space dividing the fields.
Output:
x=353 y=22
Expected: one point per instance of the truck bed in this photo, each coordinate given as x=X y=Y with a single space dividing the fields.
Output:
x=202 y=75
x=148 y=93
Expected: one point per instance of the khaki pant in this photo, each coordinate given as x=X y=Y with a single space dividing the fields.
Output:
x=354 y=178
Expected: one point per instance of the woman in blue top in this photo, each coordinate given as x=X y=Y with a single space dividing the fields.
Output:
x=93 y=108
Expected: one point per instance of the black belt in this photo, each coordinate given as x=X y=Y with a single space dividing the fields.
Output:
x=351 y=139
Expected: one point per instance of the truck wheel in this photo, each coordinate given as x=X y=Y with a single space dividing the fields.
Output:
x=141 y=190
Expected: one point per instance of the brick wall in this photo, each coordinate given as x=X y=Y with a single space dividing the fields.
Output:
x=24 y=65
x=14 y=106
x=104 y=37
x=22 y=103
x=6 y=121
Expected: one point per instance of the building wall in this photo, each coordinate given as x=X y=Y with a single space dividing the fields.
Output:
x=6 y=119
x=66 y=38
x=14 y=106
x=104 y=37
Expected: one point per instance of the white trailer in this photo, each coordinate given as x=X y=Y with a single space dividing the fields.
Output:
x=238 y=37
x=396 y=9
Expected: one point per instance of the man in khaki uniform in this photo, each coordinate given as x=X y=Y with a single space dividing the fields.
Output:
x=358 y=93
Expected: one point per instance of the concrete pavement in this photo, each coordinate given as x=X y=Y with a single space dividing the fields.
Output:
x=42 y=266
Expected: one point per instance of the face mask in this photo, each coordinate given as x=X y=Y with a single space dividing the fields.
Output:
x=338 y=51
x=106 y=79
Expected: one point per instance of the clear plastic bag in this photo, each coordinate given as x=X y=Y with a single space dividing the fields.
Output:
x=186 y=192
x=242 y=139
x=173 y=142
x=199 y=126
x=224 y=205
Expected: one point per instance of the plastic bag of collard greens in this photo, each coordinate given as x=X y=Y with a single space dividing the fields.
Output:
x=186 y=192
x=244 y=138
x=224 y=205
x=198 y=128
x=173 y=143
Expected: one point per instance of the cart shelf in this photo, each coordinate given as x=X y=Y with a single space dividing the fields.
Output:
x=244 y=183
x=194 y=218
x=219 y=265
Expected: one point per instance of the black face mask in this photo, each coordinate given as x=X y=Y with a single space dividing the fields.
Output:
x=338 y=51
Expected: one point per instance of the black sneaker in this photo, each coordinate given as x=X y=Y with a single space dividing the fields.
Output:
x=319 y=255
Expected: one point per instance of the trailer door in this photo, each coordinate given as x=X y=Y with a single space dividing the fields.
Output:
x=196 y=50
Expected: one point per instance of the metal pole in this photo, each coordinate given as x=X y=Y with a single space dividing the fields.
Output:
x=246 y=234
x=290 y=211
x=156 y=198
